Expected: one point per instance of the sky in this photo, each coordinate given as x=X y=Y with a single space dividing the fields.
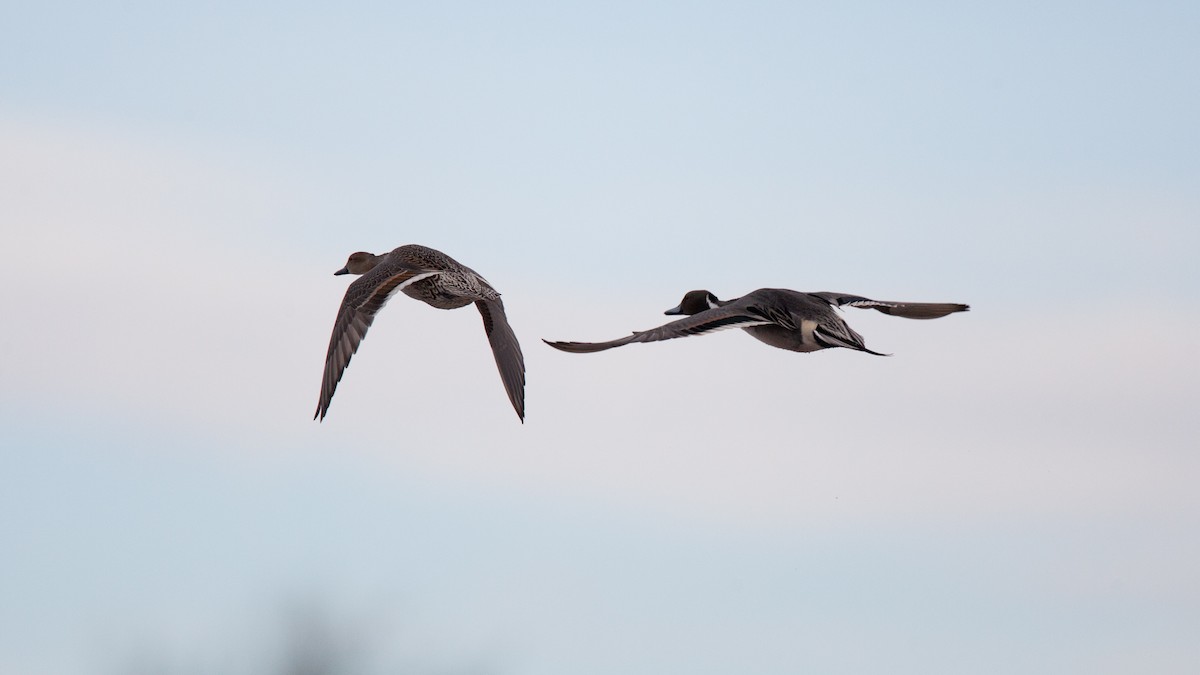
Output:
x=1013 y=491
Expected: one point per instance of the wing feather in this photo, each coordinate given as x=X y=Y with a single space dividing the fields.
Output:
x=703 y=323
x=907 y=310
x=506 y=350
x=363 y=299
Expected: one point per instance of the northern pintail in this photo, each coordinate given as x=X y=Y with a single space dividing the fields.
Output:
x=800 y=322
x=435 y=279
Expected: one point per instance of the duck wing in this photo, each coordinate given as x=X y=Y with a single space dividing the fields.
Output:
x=703 y=323
x=506 y=350
x=364 y=298
x=908 y=310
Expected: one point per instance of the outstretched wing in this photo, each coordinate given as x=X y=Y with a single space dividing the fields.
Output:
x=908 y=310
x=364 y=298
x=506 y=350
x=710 y=321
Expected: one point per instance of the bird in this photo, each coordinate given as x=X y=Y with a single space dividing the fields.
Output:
x=434 y=278
x=780 y=317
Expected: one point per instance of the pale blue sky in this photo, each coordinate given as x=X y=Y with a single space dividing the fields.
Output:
x=1012 y=492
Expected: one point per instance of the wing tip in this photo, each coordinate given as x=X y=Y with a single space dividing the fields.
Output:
x=562 y=345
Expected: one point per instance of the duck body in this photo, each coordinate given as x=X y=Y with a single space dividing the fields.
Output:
x=428 y=275
x=780 y=317
x=797 y=321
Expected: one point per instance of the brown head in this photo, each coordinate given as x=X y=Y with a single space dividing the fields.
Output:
x=695 y=302
x=359 y=263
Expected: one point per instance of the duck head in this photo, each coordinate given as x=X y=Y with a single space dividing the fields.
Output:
x=359 y=263
x=694 y=302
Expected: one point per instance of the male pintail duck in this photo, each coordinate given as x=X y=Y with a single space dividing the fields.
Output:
x=435 y=279
x=800 y=322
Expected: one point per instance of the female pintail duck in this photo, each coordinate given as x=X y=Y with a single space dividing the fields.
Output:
x=435 y=279
x=800 y=322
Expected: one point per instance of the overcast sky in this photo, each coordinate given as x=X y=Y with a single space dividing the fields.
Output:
x=1014 y=491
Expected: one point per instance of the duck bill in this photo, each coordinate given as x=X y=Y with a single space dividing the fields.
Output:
x=674 y=310
x=344 y=270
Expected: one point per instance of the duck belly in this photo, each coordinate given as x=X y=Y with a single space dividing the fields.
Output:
x=785 y=338
x=435 y=294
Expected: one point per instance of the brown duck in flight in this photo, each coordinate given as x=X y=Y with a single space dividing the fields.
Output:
x=433 y=278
